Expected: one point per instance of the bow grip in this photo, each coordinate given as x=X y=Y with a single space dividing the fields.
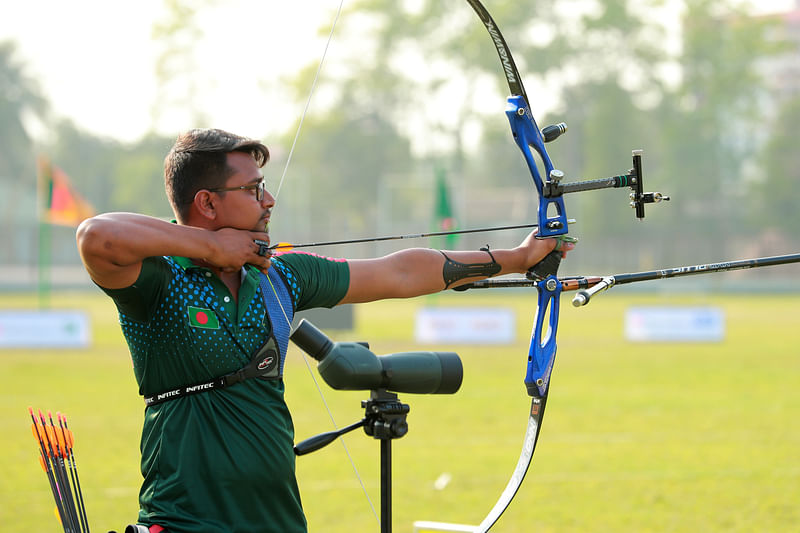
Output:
x=546 y=267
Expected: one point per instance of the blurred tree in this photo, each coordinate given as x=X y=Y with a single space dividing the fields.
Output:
x=20 y=99
x=19 y=96
x=176 y=69
x=139 y=177
x=111 y=175
x=618 y=72
x=775 y=195
x=87 y=159
x=709 y=123
x=333 y=185
x=431 y=68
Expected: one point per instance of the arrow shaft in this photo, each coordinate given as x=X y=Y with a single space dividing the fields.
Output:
x=408 y=236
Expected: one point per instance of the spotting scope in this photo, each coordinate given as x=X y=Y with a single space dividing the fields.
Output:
x=352 y=366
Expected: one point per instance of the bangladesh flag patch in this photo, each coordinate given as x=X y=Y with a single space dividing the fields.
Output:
x=202 y=318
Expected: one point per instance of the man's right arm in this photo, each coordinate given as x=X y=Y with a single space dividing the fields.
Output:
x=113 y=245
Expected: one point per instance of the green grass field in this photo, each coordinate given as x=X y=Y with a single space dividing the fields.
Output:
x=637 y=437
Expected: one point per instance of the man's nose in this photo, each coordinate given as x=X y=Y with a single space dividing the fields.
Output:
x=268 y=200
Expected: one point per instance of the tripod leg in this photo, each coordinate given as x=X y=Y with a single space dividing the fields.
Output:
x=386 y=485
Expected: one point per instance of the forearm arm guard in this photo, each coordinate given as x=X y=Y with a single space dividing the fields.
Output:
x=453 y=271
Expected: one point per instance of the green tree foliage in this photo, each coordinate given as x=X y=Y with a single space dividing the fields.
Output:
x=333 y=183
x=709 y=123
x=431 y=67
x=605 y=126
x=176 y=69
x=775 y=194
x=622 y=85
x=417 y=85
x=436 y=60
x=114 y=176
x=19 y=96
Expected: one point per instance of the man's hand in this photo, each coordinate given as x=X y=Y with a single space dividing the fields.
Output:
x=233 y=248
x=534 y=250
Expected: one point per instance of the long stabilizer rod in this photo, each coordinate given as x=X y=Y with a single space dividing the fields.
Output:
x=584 y=295
x=588 y=286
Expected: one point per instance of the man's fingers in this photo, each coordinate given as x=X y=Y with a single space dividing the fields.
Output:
x=261 y=240
x=565 y=243
x=262 y=248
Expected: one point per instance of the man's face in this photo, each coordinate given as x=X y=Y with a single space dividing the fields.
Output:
x=241 y=208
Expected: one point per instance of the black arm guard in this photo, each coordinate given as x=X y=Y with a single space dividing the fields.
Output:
x=453 y=271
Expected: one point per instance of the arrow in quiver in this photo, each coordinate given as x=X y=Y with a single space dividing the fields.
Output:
x=57 y=459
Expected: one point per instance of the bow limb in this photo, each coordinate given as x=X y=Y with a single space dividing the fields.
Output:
x=551 y=213
x=552 y=220
x=542 y=353
x=529 y=444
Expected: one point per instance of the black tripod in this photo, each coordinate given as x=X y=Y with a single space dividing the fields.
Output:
x=384 y=419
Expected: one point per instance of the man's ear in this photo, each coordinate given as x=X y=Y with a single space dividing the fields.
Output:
x=204 y=204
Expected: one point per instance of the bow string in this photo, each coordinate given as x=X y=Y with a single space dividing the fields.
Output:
x=277 y=192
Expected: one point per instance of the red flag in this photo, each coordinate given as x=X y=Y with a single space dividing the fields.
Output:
x=62 y=203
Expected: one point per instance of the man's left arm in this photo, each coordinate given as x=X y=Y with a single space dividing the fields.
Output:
x=419 y=271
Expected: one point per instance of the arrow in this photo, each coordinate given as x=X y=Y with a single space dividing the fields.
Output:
x=55 y=456
x=285 y=246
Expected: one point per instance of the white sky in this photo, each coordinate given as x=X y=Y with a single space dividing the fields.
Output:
x=94 y=60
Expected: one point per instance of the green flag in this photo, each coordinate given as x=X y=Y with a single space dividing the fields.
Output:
x=443 y=214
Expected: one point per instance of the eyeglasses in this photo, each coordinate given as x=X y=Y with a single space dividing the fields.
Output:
x=260 y=188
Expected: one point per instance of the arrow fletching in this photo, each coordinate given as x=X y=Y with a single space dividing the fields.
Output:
x=58 y=462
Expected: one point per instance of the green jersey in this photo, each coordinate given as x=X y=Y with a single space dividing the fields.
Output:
x=222 y=460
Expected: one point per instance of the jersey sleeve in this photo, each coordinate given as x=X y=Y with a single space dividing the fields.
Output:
x=138 y=301
x=315 y=280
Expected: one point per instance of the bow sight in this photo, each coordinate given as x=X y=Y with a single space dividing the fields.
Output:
x=553 y=187
x=552 y=213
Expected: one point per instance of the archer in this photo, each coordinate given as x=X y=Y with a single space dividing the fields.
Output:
x=206 y=319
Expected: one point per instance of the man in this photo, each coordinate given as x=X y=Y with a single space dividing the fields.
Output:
x=198 y=302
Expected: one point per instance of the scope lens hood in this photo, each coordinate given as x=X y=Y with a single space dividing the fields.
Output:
x=452 y=373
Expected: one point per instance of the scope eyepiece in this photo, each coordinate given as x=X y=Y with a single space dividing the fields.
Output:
x=311 y=340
